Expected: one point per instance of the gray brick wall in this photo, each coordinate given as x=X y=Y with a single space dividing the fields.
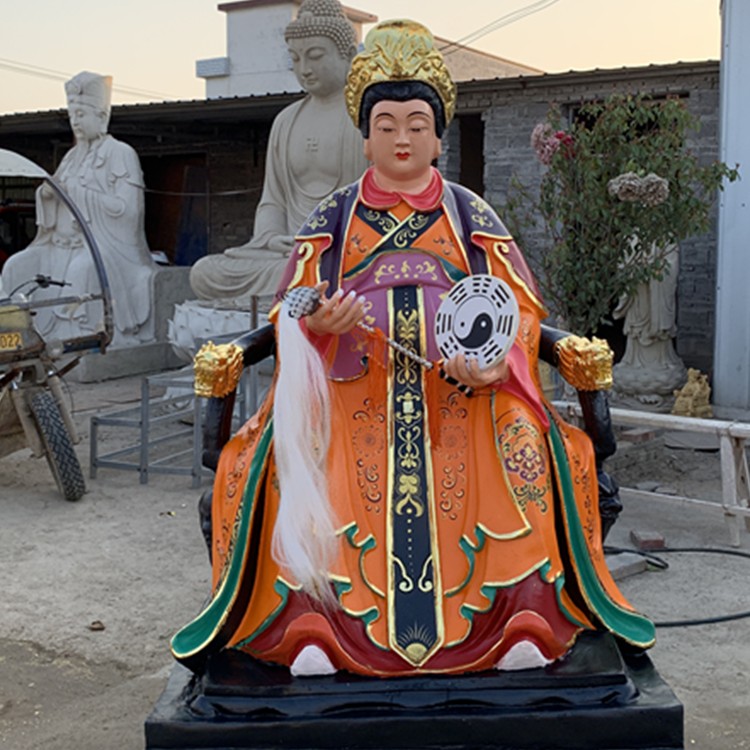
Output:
x=512 y=107
x=234 y=168
x=235 y=146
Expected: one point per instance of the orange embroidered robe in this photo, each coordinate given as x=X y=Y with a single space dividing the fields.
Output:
x=466 y=524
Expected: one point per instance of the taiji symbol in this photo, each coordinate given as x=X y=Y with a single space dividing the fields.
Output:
x=479 y=318
x=479 y=333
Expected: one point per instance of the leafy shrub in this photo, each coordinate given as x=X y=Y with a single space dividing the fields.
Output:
x=619 y=188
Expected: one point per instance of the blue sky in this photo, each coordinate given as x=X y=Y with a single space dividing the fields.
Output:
x=152 y=45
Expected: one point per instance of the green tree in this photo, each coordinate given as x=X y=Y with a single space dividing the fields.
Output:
x=619 y=188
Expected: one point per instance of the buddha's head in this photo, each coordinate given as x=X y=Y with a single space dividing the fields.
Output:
x=321 y=44
x=89 y=96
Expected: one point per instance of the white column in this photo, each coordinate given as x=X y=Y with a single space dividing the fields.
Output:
x=732 y=339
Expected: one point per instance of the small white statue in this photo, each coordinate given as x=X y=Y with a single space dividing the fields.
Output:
x=313 y=150
x=103 y=177
x=650 y=369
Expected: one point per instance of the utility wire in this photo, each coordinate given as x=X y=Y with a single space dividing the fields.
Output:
x=15 y=66
x=34 y=70
x=498 y=23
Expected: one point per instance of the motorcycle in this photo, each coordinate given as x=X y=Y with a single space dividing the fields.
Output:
x=33 y=410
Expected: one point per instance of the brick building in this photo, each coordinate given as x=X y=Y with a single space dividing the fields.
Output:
x=204 y=161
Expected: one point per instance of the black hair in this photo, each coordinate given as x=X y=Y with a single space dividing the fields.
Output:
x=400 y=91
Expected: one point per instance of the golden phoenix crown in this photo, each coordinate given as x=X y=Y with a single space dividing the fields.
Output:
x=399 y=50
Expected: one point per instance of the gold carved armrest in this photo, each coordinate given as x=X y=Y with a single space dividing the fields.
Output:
x=585 y=363
x=217 y=369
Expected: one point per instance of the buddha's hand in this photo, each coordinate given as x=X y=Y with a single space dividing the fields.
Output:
x=466 y=370
x=281 y=243
x=337 y=314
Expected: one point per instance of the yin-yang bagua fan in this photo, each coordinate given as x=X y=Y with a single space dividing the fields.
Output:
x=479 y=318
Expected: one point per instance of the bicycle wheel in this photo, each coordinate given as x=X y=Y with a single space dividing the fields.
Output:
x=58 y=446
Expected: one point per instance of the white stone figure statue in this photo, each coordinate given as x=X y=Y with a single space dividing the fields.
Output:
x=650 y=369
x=313 y=150
x=103 y=177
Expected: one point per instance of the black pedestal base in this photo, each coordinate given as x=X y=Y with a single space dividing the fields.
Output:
x=597 y=697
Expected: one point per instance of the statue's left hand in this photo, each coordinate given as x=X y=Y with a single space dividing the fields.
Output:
x=467 y=371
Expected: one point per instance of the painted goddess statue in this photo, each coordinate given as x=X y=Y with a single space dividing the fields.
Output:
x=435 y=529
x=313 y=149
x=103 y=177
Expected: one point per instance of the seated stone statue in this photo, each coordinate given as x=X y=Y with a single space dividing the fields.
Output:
x=103 y=177
x=313 y=149
x=387 y=518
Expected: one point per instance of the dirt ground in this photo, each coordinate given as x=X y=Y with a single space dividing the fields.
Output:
x=92 y=591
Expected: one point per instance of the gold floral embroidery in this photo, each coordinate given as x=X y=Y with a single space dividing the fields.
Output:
x=452 y=446
x=370 y=445
x=390 y=272
x=452 y=490
x=317 y=221
x=481 y=208
x=385 y=221
x=481 y=221
x=410 y=230
x=526 y=463
x=427 y=269
x=479 y=205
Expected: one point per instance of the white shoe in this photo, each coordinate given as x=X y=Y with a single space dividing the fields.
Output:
x=524 y=655
x=312 y=662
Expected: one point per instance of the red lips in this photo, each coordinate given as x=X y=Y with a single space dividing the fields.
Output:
x=402 y=155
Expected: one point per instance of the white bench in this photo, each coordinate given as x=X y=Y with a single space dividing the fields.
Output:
x=735 y=486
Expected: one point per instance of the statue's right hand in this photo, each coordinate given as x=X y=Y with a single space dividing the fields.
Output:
x=337 y=314
x=281 y=243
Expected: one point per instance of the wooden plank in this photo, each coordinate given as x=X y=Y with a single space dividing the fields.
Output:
x=628 y=417
x=735 y=479
x=630 y=492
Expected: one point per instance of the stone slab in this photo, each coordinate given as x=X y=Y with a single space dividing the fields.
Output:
x=637 y=435
x=696 y=441
x=626 y=564
x=120 y=363
x=599 y=696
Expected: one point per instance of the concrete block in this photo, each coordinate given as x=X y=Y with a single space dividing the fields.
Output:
x=625 y=564
x=170 y=286
x=697 y=441
x=647 y=540
x=157 y=356
x=637 y=435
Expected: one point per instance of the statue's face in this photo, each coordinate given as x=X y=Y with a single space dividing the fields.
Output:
x=87 y=122
x=318 y=65
x=402 y=142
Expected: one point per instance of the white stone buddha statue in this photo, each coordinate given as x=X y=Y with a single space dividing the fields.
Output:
x=313 y=149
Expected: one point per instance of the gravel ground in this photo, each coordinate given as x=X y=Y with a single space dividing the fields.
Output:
x=93 y=590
